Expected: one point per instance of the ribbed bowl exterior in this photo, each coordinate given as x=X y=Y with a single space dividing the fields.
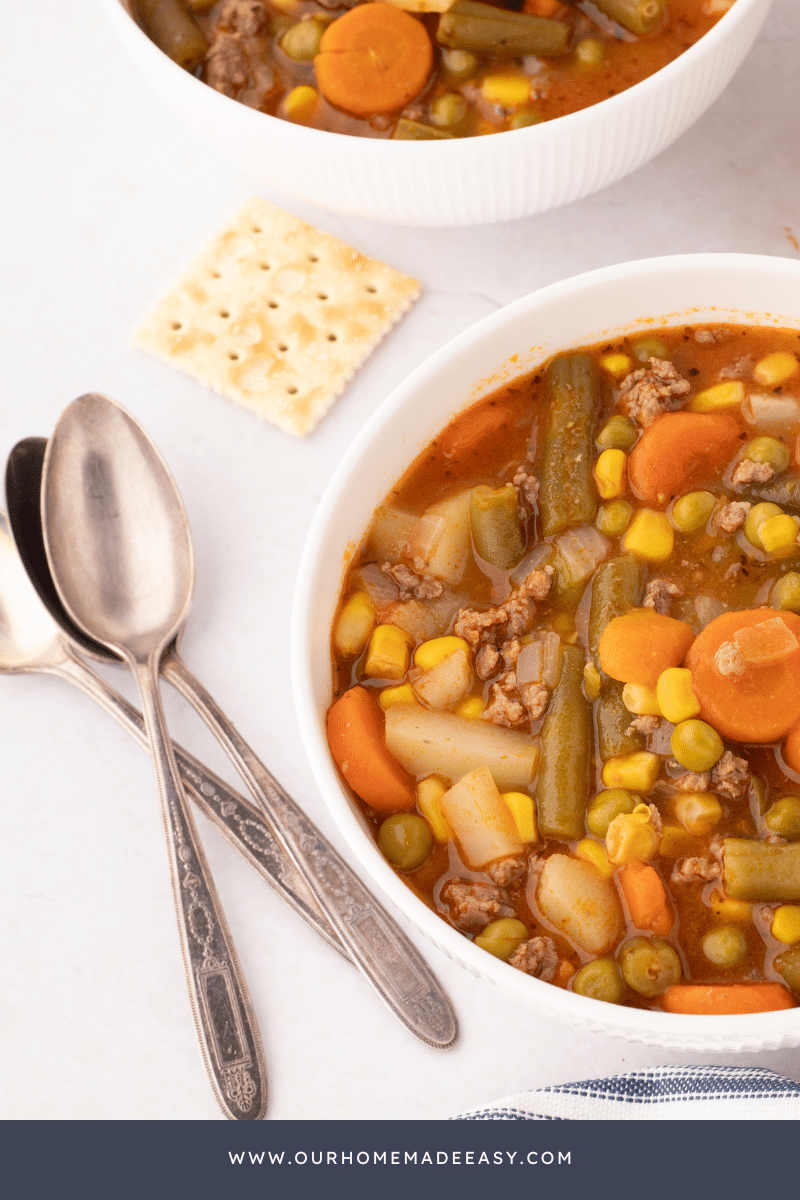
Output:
x=468 y=181
x=604 y=304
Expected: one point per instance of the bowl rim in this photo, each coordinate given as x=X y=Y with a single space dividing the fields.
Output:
x=727 y=24
x=676 y=1031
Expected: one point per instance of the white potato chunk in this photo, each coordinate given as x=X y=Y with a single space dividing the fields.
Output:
x=442 y=538
x=574 y=897
x=446 y=683
x=428 y=742
x=480 y=819
x=389 y=533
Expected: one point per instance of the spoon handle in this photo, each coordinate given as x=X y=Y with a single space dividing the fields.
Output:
x=377 y=945
x=223 y=1015
x=239 y=821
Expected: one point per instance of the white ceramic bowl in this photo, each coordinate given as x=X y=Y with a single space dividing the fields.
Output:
x=638 y=296
x=466 y=181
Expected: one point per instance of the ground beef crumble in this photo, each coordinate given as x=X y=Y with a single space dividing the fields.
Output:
x=728 y=660
x=507 y=872
x=472 y=906
x=653 y=390
x=730 y=777
x=659 y=594
x=412 y=584
x=748 y=471
x=733 y=516
x=514 y=616
x=643 y=724
x=538 y=956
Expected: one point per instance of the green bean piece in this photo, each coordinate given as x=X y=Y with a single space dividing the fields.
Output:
x=612 y=721
x=692 y=511
x=484 y=29
x=760 y=870
x=562 y=785
x=617 y=586
x=566 y=488
x=785 y=592
x=618 y=433
x=783 y=818
x=614 y=517
x=601 y=980
x=406 y=840
x=301 y=42
x=171 y=26
x=785 y=492
x=788 y=965
x=649 y=965
x=607 y=805
x=696 y=745
x=502 y=937
x=415 y=131
x=639 y=16
x=725 y=946
x=496 y=528
x=768 y=450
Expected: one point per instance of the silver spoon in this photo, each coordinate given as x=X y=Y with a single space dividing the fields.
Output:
x=32 y=643
x=112 y=462
x=120 y=555
x=405 y=973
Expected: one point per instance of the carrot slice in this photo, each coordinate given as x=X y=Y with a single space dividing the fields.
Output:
x=726 y=999
x=791 y=749
x=763 y=703
x=639 y=645
x=645 y=897
x=680 y=450
x=356 y=738
x=466 y=434
x=374 y=59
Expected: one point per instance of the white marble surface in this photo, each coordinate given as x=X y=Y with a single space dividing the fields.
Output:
x=104 y=197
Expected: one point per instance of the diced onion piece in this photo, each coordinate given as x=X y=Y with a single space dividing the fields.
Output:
x=541 y=554
x=480 y=819
x=444 y=684
x=389 y=533
x=538 y=660
x=428 y=742
x=708 y=608
x=579 y=553
x=772 y=414
x=768 y=642
x=380 y=588
x=574 y=897
x=442 y=538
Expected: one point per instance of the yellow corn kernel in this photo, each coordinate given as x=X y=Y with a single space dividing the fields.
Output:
x=389 y=653
x=506 y=90
x=609 y=473
x=354 y=625
x=431 y=653
x=786 y=924
x=616 y=364
x=592 y=681
x=632 y=835
x=640 y=699
x=778 y=533
x=676 y=699
x=404 y=694
x=471 y=708
x=718 y=397
x=775 y=368
x=676 y=842
x=649 y=535
x=524 y=814
x=635 y=772
x=698 y=812
x=729 y=910
x=429 y=793
x=594 y=852
x=300 y=103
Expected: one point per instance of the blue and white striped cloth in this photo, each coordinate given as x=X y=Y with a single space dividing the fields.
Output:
x=659 y=1094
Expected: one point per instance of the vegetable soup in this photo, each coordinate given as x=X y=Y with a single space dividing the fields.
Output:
x=424 y=69
x=566 y=664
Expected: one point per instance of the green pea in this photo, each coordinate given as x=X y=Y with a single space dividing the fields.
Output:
x=692 y=511
x=618 y=433
x=649 y=965
x=768 y=450
x=502 y=937
x=406 y=840
x=521 y=120
x=589 y=52
x=725 y=946
x=448 y=109
x=785 y=592
x=614 y=517
x=783 y=818
x=696 y=745
x=601 y=980
x=788 y=965
x=301 y=42
x=607 y=805
x=459 y=62
x=649 y=348
x=758 y=514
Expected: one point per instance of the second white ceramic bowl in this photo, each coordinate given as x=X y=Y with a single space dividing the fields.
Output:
x=635 y=297
x=465 y=181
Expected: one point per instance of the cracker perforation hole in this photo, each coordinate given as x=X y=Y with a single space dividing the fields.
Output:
x=271 y=304
x=216 y=275
x=264 y=266
x=292 y=391
x=233 y=356
x=313 y=258
x=331 y=337
x=322 y=295
x=176 y=325
x=371 y=289
x=283 y=348
x=256 y=228
x=223 y=312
